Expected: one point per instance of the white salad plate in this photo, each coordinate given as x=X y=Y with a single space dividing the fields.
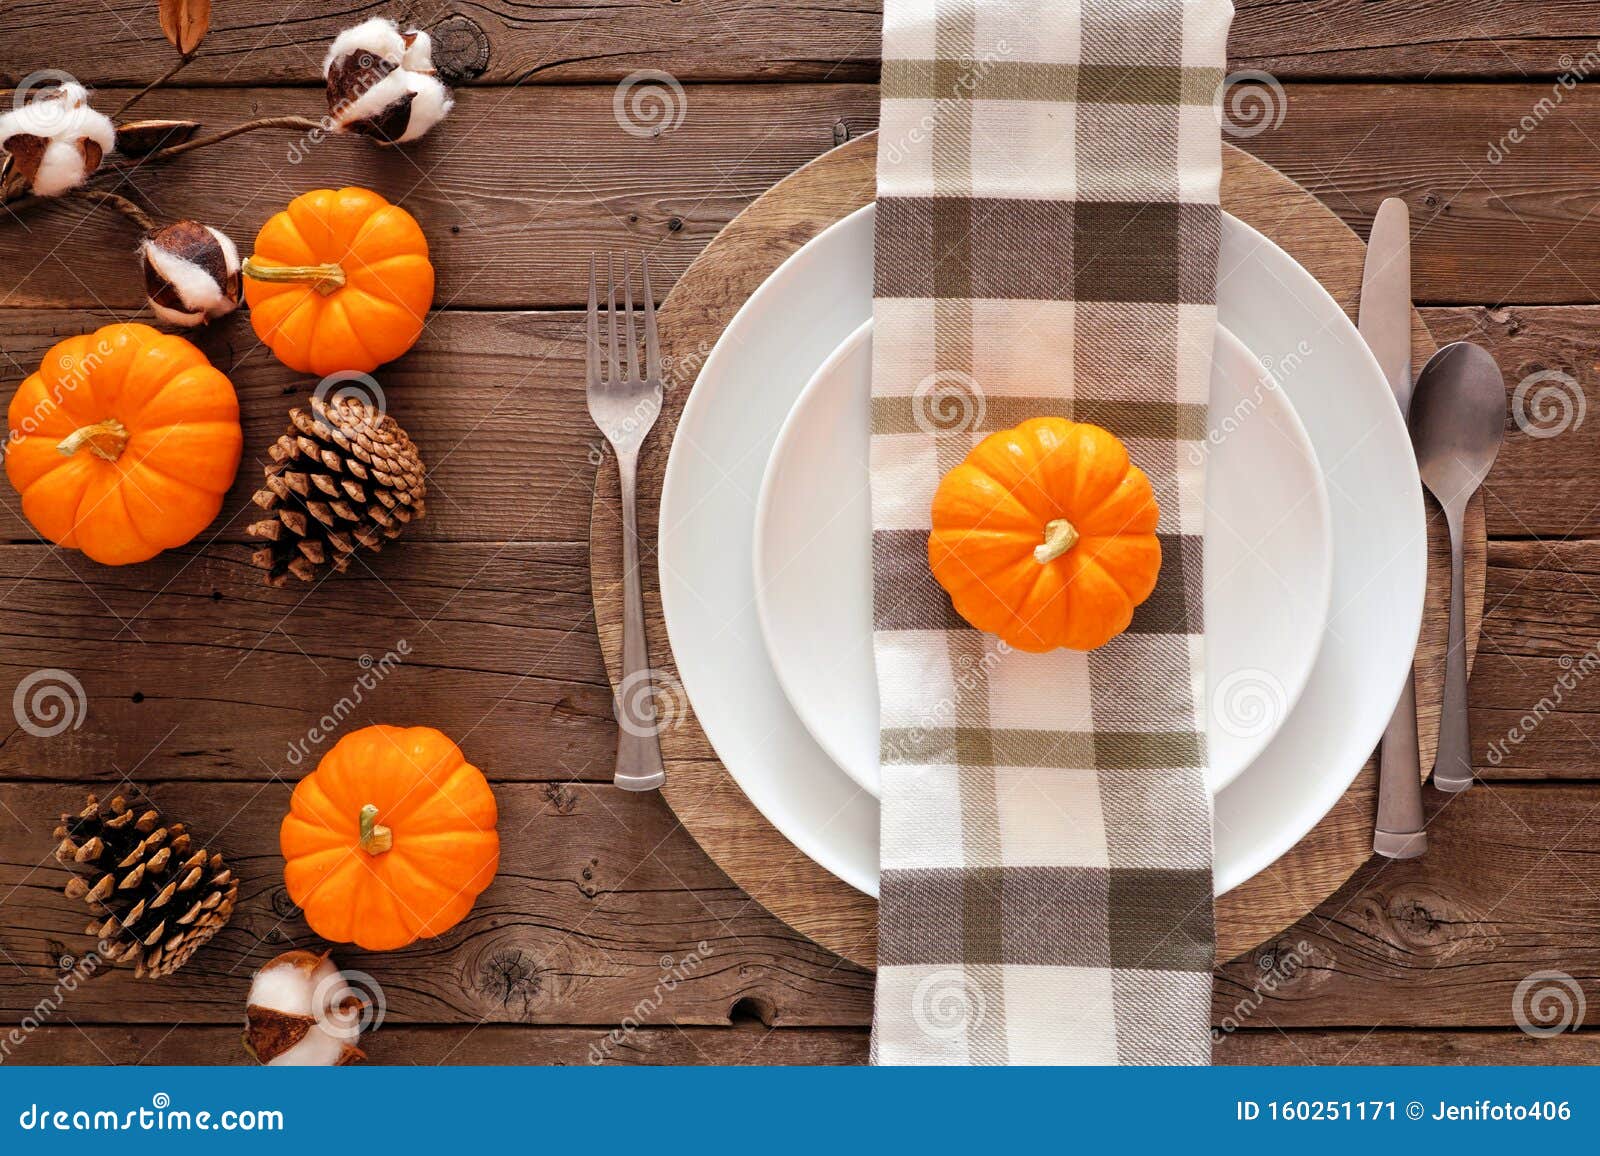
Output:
x=1268 y=560
x=719 y=456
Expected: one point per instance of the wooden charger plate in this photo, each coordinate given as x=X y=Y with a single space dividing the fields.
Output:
x=699 y=789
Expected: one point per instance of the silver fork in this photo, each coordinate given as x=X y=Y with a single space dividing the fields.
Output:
x=625 y=408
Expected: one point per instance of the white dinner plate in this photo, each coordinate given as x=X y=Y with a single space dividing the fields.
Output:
x=750 y=381
x=1268 y=560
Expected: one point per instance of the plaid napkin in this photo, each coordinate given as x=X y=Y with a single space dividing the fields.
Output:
x=1047 y=232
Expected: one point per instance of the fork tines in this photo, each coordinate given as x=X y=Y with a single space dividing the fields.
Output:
x=652 y=350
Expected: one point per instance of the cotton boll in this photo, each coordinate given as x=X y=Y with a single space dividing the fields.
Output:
x=431 y=103
x=56 y=140
x=381 y=82
x=191 y=273
x=301 y=1012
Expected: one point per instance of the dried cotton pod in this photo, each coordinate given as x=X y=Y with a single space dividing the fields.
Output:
x=55 y=139
x=191 y=272
x=303 y=1013
x=381 y=82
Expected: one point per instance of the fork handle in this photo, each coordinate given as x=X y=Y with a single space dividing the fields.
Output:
x=639 y=766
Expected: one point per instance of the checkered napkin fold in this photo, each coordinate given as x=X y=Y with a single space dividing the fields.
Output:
x=1047 y=234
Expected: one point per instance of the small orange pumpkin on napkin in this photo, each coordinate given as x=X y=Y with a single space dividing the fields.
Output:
x=1045 y=536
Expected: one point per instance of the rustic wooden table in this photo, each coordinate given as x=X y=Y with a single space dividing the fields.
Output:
x=198 y=678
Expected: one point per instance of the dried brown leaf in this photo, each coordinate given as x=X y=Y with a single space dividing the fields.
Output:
x=141 y=137
x=184 y=23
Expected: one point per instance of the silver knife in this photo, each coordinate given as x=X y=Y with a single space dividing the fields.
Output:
x=1385 y=323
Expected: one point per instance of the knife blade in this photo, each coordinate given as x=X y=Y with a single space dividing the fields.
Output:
x=1384 y=319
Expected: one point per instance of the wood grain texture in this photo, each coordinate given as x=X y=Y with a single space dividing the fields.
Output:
x=1505 y=891
x=1546 y=481
x=514 y=191
x=737 y=836
x=567 y=180
x=505 y=42
x=600 y=895
x=756 y=1044
x=192 y=669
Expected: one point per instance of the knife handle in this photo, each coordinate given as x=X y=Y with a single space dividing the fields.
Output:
x=1399 y=832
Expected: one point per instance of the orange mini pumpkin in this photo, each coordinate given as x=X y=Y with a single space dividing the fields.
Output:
x=340 y=280
x=1045 y=536
x=391 y=839
x=123 y=443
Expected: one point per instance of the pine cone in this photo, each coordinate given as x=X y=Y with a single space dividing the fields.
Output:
x=345 y=476
x=156 y=898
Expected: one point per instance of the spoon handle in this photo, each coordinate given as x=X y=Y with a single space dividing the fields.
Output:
x=1452 y=766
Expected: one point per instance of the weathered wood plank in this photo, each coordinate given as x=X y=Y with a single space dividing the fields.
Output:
x=519 y=233
x=1384 y=1046
x=1492 y=221
x=191 y=668
x=398 y=1044
x=495 y=402
x=514 y=191
x=256 y=42
x=1535 y=697
x=1546 y=481
x=260 y=42
x=603 y=909
x=1445 y=940
x=754 y=1044
x=598 y=887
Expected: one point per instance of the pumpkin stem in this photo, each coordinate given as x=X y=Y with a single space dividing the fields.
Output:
x=375 y=838
x=105 y=439
x=1059 y=536
x=325 y=279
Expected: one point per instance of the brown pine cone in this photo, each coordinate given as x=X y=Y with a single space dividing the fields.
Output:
x=344 y=477
x=156 y=898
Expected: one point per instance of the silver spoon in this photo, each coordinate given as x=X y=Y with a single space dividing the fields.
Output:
x=1458 y=419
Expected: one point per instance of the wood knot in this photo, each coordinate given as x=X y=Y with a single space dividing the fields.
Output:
x=511 y=979
x=283 y=906
x=561 y=798
x=752 y=1009
x=460 y=49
